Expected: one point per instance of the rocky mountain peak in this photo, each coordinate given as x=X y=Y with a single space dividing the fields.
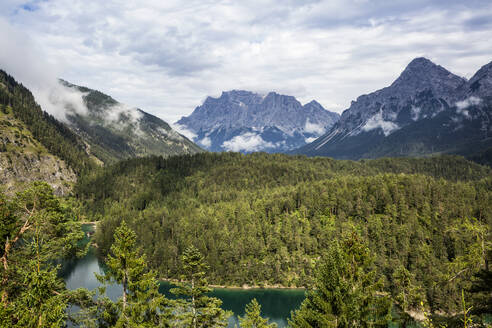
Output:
x=281 y=102
x=313 y=104
x=246 y=121
x=234 y=97
x=481 y=82
x=484 y=70
x=422 y=67
x=233 y=94
x=421 y=73
x=421 y=62
x=426 y=110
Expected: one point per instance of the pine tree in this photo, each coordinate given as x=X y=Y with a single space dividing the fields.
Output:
x=252 y=317
x=345 y=290
x=405 y=292
x=196 y=309
x=38 y=231
x=141 y=304
x=42 y=301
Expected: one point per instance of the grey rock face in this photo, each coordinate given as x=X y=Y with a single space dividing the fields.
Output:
x=480 y=85
x=422 y=90
x=425 y=110
x=422 y=74
x=261 y=123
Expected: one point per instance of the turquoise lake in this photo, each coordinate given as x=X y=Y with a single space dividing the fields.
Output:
x=276 y=304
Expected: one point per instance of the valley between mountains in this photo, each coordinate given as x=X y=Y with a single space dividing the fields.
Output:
x=385 y=209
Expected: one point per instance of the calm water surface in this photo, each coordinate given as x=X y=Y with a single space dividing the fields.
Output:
x=276 y=304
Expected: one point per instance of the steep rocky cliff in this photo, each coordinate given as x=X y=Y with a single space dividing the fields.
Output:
x=427 y=110
x=245 y=121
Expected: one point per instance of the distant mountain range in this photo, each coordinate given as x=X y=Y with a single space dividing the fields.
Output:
x=427 y=110
x=244 y=121
x=114 y=131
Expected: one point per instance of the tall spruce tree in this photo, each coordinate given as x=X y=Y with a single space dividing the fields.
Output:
x=36 y=231
x=345 y=292
x=195 y=308
x=405 y=292
x=141 y=304
x=252 y=318
x=481 y=289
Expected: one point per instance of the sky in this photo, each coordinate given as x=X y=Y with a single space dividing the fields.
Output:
x=166 y=57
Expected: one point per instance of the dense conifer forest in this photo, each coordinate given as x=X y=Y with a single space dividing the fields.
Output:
x=373 y=242
x=265 y=220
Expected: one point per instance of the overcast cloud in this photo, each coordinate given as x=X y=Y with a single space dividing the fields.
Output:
x=167 y=56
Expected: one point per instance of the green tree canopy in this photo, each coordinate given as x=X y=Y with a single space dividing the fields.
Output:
x=36 y=231
x=252 y=318
x=141 y=304
x=195 y=308
x=345 y=292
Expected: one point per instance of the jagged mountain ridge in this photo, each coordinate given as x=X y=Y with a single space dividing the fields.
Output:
x=115 y=131
x=426 y=110
x=245 y=121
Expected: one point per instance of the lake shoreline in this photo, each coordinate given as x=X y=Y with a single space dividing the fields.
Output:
x=243 y=287
x=93 y=224
x=277 y=304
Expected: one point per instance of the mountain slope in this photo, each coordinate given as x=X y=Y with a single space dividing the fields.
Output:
x=426 y=110
x=51 y=133
x=23 y=159
x=245 y=121
x=33 y=144
x=116 y=131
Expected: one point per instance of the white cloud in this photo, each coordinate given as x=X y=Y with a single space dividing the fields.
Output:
x=24 y=60
x=247 y=142
x=121 y=113
x=462 y=106
x=171 y=134
x=184 y=131
x=314 y=128
x=391 y=115
x=60 y=100
x=166 y=56
x=415 y=111
x=309 y=140
x=206 y=142
x=470 y=101
x=377 y=122
x=463 y=112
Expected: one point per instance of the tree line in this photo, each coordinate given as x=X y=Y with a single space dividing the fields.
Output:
x=39 y=229
x=347 y=288
x=264 y=220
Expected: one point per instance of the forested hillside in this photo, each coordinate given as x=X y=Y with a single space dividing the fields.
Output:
x=265 y=219
x=116 y=131
x=56 y=137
